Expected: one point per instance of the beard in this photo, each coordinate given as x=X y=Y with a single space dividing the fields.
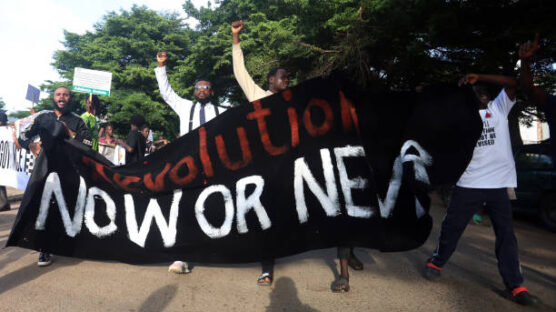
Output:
x=203 y=101
x=66 y=109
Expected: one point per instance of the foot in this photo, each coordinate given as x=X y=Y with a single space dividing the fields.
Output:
x=522 y=296
x=355 y=263
x=265 y=279
x=432 y=272
x=179 y=267
x=44 y=259
x=340 y=285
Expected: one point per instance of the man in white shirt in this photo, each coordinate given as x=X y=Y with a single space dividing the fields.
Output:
x=488 y=179
x=191 y=114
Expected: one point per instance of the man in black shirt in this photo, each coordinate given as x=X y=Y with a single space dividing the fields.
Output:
x=50 y=127
x=135 y=143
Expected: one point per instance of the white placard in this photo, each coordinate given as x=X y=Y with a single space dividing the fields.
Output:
x=92 y=81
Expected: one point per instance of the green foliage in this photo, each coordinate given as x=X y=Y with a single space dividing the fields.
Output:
x=379 y=44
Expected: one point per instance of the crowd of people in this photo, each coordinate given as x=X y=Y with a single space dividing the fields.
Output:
x=485 y=183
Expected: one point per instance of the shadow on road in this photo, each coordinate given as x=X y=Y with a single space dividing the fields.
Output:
x=284 y=297
x=159 y=299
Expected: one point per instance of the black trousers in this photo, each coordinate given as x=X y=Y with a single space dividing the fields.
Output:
x=4 y=202
x=464 y=202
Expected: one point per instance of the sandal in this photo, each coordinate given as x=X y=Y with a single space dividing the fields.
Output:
x=264 y=279
x=340 y=285
x=354 y=263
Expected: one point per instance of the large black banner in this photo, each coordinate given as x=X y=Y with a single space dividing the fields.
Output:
x=315 y=166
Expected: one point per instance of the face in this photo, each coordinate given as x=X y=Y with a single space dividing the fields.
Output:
x=203 y=90
x=481 y=95
x=145 y=132
x=279 y=81
x=109 y=131
x=61 y=97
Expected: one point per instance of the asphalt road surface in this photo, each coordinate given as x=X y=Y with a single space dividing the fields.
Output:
x=389 y=282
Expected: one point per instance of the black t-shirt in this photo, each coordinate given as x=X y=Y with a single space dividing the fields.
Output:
x=138 y=142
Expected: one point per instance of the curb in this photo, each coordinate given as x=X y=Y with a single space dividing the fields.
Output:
x=15 y=198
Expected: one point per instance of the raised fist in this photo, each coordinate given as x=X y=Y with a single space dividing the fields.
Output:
x=161 y=58
x=468 y=79
x=237 y=26
x=528 y=49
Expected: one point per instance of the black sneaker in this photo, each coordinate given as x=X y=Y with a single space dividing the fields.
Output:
x=522 y=296
x=44 y=259
x=432 y=272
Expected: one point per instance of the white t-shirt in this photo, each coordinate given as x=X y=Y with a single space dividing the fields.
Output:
x=492 y=164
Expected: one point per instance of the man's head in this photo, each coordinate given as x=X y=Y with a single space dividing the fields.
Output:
x=3 y=119
x=109 y=130
x=277 y=80
x=137 y=121
x=62 y=100
x=145 y=129
x=482 y=94
x=93 y=104
x=203 y=91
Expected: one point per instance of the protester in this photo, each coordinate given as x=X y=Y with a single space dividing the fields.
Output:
x=74 y=127
x=278 y=81
x=135 y=143
x=488 y=179
x=547 y=102
x=191 y=115
x=149 y=146
x=90 y=118
x=108 y=138
x=4 y=203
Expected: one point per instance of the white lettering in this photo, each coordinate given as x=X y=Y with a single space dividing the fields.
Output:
x=252 y=202
x=93 y=227
x=52 y=185
x=167 y=230
x=349 y=184
x=226 y=227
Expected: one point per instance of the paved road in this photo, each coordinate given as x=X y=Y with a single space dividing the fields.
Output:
x=390 y=281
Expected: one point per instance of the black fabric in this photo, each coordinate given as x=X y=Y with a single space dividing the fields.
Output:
x=48 y=125
x=137 y=141
x=323 y=162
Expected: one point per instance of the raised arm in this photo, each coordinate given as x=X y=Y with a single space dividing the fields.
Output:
x=526 y=53
x=166 y=91
x=251 y=90
x=509 y=83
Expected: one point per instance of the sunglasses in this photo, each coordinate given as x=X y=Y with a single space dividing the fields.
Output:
x=202 y=87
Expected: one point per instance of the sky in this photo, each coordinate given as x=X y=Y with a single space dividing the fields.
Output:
x=31 y=30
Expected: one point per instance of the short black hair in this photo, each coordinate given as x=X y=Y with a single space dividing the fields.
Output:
x=145 y=126
x=273 y=72
x=203 y=79
x=137 y=120
x=95 y=102
x=109 y=125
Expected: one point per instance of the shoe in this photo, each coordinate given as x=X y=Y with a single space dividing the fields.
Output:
x=44 y=259
x=522 y=296
x=432 y=272
x=179 y=267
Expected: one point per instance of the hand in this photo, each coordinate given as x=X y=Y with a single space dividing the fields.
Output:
x=237 y=26
x=468 y=79
x=161 y=58
x=35 y=148
x=528 y=49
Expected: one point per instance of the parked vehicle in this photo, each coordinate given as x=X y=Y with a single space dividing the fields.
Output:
x=536 y=183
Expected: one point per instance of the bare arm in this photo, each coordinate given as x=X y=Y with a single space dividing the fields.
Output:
x=509 y=83
x=526 y=52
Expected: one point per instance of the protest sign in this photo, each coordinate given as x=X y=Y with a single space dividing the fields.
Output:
x=91 y=81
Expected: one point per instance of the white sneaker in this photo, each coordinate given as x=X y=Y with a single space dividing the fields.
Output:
x=179 y=267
